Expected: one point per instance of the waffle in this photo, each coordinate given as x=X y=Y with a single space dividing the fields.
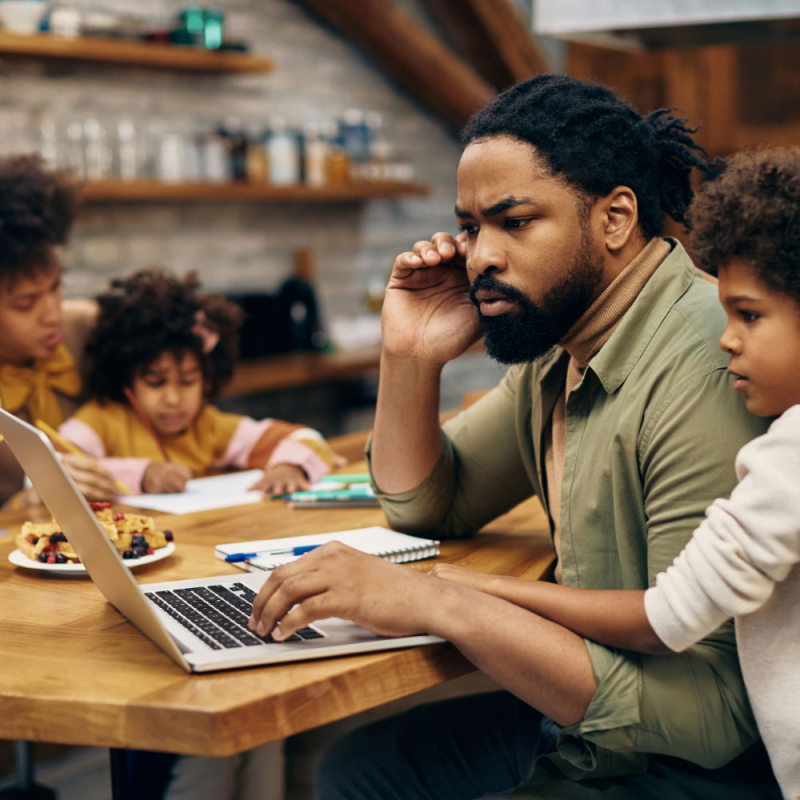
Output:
x=134 y=535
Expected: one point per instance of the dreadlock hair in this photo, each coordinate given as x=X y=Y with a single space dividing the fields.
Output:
x=37 y=209
x=153 y=312
x=595 y=141
x=751 y=211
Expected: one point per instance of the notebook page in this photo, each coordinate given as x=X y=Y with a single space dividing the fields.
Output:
x=202 y=494
x=376 y=540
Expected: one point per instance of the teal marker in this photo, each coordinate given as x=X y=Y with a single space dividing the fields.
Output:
x=338 y=494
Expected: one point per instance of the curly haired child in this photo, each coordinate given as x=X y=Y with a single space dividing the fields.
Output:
x=41 y=336
x=160 y=352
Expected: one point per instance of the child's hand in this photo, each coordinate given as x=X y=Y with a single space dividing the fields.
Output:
x=93 y=479
x=282 y=479
x=165 y=478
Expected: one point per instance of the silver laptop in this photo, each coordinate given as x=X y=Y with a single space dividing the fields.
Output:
x=201 y=624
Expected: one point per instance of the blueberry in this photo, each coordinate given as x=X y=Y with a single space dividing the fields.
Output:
x=43 y=558
x=168 y=536
x=129 y=554
x=61 y=558
x=140 y=551
x=56 y=537
x=139 y=541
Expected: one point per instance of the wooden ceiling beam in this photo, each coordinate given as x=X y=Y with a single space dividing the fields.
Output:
x=492 y=36
x=410 y=55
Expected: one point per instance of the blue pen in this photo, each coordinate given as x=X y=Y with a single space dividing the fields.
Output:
x=293 y=551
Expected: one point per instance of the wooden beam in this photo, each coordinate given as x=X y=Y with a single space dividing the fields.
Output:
x=410 y=55
x=492 y=36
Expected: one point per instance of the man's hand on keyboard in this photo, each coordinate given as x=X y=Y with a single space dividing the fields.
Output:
x=337 y=581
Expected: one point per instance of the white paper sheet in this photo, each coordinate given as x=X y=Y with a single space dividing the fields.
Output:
x=202 y=494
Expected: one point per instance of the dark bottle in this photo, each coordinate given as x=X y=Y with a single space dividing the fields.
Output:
x=236 y=139
x=303 y=327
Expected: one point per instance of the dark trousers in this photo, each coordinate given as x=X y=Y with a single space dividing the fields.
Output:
x=459 y=749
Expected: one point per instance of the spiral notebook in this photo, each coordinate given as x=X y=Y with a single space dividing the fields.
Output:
x=393 y=546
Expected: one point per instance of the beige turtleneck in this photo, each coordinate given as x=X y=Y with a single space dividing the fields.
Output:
x=583 y=342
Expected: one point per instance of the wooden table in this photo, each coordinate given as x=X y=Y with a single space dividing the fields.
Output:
x=74 y=671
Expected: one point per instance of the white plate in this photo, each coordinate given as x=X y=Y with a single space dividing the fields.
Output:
x=19 y=559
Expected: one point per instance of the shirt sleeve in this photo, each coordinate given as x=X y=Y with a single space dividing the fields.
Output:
x=128 y=471
x=743 y=547
x=480 y=473
x=270 y=442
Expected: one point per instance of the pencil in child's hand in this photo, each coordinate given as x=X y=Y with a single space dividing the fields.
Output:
x=71 y=448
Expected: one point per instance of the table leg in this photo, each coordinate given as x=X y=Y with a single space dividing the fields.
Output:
x=119 y=774
x=26 y=788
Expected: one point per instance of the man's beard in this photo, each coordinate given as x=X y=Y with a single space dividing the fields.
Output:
x=532 y=330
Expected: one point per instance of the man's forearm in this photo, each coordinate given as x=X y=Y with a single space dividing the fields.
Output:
x=406 y=439
x=614 y=618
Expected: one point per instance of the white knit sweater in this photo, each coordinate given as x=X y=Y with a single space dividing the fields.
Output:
x=743 y=561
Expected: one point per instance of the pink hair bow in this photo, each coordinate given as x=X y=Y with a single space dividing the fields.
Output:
x=202 y=329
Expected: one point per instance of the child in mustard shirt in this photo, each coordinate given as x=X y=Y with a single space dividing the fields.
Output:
x=160 y=352
x=41 y=336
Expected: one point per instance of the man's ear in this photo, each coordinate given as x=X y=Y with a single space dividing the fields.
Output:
x=620 y=218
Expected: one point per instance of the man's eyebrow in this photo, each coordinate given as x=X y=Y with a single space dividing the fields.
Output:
x=497 y=208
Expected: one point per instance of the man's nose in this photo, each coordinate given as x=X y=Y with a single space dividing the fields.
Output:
x=485 y=255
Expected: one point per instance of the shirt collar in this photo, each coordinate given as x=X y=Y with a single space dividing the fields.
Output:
x=619 y=355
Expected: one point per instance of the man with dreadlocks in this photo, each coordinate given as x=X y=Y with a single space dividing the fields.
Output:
x=617 y=413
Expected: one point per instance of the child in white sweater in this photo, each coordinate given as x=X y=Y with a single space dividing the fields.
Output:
x=744 y=559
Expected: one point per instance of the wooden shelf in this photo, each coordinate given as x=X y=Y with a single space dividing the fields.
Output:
x=273 y=373
x=158 y=191
x=131 y=53
x=295 y=370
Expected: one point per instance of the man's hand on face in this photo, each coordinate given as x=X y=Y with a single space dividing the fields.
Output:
x=427 y=313
x=337 y=581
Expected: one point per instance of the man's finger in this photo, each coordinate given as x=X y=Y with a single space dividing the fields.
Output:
x=428 y=252
x=444 y=244
x=278 y=576
x=301 y=616
x=302 y=587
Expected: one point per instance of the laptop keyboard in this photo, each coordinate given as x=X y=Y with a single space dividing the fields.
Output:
x=217 y=615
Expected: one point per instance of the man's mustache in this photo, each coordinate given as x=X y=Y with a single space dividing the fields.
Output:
x=487 y=283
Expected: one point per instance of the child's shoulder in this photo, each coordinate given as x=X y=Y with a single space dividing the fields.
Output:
x=787 y=424
x=779 y=446
x=213 y=420
x=106 y=412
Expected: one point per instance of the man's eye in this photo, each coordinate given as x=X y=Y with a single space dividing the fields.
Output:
x=189 y=382
x=517 y=222
x=155 y=383
x=26 y=306
x=470 y=230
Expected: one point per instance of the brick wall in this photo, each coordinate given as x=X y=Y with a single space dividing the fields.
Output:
x=240 y=246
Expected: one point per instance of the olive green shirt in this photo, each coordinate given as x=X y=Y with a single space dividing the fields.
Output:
x=653 y=429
